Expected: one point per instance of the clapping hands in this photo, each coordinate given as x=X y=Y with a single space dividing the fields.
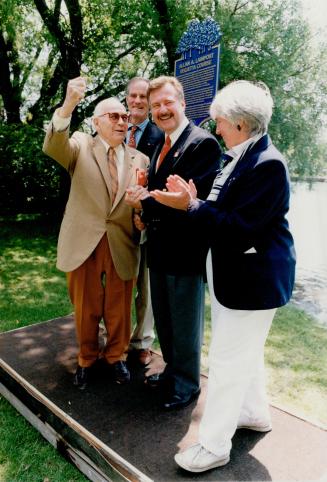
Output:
x=180 y=193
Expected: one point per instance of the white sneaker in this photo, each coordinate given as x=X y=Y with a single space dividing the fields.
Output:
x=197 y=459
x=255 y=424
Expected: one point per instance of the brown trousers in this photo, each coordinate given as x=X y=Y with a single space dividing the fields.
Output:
x=97 y=292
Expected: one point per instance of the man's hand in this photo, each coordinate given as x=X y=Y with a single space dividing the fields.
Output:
x=138 y=222
x=75 y=92
x=134 y=196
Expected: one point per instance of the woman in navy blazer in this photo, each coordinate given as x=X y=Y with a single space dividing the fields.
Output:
x=250 y=267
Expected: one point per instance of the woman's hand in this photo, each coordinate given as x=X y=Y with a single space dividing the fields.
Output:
x=180 y=193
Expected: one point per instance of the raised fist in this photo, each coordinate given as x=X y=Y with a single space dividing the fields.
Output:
x=75 y=92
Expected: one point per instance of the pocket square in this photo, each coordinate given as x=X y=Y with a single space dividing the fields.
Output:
x=251 y=250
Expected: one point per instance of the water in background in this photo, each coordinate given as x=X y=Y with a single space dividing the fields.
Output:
x=308 y=222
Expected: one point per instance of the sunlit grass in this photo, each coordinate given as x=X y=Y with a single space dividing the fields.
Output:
x=32 y=289
x=296 y=354
x=25 y=456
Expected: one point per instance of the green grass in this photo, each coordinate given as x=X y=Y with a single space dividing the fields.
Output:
x=33 y=290
x=25 y=456
x=296 y=355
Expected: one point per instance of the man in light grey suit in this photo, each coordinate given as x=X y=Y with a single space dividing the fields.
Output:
x=95 y=246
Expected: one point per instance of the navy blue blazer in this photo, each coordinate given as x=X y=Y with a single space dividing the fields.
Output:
x=249 y=214
x=151 y=137
x=173 y=246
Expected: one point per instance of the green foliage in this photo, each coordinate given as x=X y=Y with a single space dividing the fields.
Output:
x=269 y=41
x=29 y=181
x=42 y=44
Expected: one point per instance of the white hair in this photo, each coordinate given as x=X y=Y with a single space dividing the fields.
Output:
x=241 y=100
x=105 y=104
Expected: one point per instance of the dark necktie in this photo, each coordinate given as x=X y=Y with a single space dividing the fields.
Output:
x=165 y=148
x=132 y=140
x=225 y=159
x=112 y=164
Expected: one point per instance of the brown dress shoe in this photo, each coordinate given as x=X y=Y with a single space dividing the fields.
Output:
x=144 y=356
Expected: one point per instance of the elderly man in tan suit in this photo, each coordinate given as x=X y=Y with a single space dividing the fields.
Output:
x=96 y=246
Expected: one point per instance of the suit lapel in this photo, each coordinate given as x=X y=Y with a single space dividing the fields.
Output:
x=146 y=139
x=102 y=160
x=245 y=163
x=179 y=147
x=126 y=176
x=174 y=154
x=153 y=163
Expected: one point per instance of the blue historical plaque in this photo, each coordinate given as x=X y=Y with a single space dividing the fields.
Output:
x=198 y=67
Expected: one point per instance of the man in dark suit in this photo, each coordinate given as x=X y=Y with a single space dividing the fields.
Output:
x=176 y=252
x=143 y=135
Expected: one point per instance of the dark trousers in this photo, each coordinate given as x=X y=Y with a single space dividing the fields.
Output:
x=178 y=309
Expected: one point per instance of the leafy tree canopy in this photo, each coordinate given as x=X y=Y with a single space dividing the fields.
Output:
x=43 y=43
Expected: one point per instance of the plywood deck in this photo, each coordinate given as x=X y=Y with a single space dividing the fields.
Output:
x=121 y=433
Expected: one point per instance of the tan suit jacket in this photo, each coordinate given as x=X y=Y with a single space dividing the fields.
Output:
x=89 y=211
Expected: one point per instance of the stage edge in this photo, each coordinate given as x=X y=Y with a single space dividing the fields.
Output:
x=92 y=457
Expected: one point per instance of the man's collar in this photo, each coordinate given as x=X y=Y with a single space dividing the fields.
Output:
x=177 y=132
x=107 y=146
x=141 y=126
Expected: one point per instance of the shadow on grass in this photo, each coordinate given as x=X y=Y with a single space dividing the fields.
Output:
x=32 y=289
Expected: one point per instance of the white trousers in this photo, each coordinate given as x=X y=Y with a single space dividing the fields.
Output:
x=236 y=384
x=143 y=334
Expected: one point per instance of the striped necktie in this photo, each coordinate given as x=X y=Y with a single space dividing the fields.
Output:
x=132 y=140
x=228 y=163
x=112 y=164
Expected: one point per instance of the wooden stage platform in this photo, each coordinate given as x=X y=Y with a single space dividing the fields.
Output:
x=119 y=433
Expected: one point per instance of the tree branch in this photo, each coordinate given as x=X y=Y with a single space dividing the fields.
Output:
x=238 y=6
x=166 y=31
x=10 y=91
x=29 y=67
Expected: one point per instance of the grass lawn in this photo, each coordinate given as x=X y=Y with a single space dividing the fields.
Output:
x=33 y=290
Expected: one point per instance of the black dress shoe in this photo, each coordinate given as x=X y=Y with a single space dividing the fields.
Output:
x=82 y=377
x=177 y=401
x=155 y=380
x=120 y=372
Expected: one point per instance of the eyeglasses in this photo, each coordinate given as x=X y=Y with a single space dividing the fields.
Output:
x=115 y=116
